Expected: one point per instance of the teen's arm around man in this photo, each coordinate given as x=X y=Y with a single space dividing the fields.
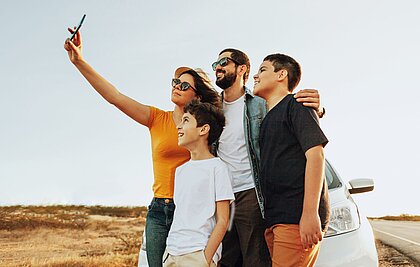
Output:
x=292 y=169
x=238 y=146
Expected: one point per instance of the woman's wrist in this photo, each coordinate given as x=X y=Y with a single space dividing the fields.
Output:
x=79 y=63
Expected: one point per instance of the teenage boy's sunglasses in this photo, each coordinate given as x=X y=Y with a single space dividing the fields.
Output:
x=223 y=62
x=184 y=85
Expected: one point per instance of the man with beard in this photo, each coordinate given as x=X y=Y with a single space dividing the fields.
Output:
x=244 y=244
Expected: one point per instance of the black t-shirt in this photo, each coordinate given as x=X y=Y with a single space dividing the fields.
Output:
x=286 y=133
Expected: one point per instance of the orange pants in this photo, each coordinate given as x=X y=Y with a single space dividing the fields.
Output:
x=283 y=241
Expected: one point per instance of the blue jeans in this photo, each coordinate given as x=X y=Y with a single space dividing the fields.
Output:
x=158 y=222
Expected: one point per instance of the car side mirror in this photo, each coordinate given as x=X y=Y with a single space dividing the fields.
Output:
x=361 y=185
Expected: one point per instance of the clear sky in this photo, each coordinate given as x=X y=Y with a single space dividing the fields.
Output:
x=61 y=143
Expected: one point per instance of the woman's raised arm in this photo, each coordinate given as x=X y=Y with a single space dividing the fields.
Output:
x=135 y=110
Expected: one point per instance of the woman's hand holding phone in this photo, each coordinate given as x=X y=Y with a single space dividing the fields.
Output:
x=73 y=45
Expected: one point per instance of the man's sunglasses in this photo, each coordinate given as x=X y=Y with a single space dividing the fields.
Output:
x=223 y=62
x=184 y=85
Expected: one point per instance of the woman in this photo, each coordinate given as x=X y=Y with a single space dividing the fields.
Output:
x=188 y=84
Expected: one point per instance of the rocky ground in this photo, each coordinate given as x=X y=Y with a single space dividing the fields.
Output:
x=389 y=256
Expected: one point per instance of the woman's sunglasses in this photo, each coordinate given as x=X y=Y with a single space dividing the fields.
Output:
x=184 y=85
x=223 y=62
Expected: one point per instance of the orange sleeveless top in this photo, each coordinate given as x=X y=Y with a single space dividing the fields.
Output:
x=166 y=153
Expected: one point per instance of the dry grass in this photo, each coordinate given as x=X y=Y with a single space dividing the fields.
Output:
x=402 y=217
x=83 y=236
x=57 y=236
x=104 y=261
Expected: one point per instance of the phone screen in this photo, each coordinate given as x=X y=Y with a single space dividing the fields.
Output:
x=78 y=27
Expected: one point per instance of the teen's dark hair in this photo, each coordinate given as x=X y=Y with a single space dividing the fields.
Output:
x=239 y=57
x=206 y=113
x=281 y=61
x=205 y=91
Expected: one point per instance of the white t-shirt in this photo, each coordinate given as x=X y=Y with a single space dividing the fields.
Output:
x=232 y=147
x=198 y=185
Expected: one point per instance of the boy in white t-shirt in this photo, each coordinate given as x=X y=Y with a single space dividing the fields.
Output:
x=203 y=192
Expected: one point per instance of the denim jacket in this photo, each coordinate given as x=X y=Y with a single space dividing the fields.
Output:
x=254 y=113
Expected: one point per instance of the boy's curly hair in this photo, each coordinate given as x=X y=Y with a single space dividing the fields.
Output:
x=206 y=113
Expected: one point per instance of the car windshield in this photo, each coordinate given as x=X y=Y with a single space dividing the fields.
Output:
x=332 y=176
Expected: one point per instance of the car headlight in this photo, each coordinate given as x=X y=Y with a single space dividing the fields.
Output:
x=344 y=218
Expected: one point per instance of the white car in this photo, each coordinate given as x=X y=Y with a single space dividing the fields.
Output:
x=349 y=241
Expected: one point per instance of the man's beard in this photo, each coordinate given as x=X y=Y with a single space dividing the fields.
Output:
x=227 y=81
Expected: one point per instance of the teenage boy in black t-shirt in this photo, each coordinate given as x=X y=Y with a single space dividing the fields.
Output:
x=292 y=167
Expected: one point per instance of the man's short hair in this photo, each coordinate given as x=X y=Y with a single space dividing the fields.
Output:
x=281 y=61
x=239 y=57
x=206 y=113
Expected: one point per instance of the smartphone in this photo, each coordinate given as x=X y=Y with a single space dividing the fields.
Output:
x=78 y=27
